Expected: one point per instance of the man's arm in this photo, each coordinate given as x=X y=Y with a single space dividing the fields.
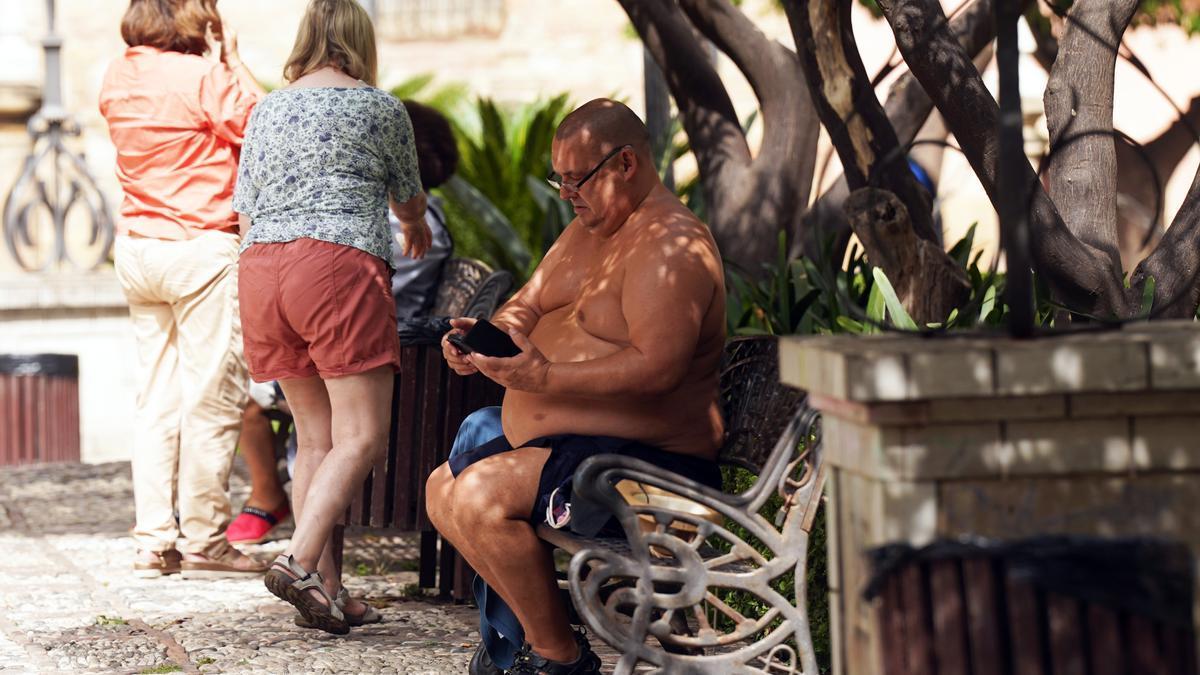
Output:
x=519 y=315
x=524 y=308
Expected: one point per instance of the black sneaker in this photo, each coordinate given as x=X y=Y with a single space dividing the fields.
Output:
x=529 y=663
x=481 y=663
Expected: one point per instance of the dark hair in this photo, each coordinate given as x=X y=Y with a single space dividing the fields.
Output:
x=437 y=152
x=171 y=25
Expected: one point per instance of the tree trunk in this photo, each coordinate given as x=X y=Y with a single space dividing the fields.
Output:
x=1082 y=164
x=1080 y=277
x=1175 y=264
x=748 y=199
x=929 y=284
x=908 y=107
x=658 y=115
x=1142 y=176
x=845 y=101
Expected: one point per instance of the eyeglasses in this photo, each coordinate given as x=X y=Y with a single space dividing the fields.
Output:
x=556 y=181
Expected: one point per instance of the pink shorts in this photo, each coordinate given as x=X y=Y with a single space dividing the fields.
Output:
x=310 y=307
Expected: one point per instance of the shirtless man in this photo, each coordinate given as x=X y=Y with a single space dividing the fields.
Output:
x=621 y=329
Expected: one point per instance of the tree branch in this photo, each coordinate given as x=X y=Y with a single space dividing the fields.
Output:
x=846 y=103
x=1170 y=147
x=907 y=107
x=1174 y=263
x=928 y=283
x=757 y=57
x=1078 y=275
x=1082 y=174
x=708 y=115
x=790 y=124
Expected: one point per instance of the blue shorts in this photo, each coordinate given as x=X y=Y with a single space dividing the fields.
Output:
x=567 y=452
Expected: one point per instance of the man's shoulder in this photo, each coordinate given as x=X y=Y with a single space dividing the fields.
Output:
x=668 y=230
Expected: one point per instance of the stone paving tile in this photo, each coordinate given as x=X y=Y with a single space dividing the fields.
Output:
x=71 y=605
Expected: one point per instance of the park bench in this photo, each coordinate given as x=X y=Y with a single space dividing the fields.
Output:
x=661 y=594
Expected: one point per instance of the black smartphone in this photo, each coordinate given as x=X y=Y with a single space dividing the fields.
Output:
x=485 y=339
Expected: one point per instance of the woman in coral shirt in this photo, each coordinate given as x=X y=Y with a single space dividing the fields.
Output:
x=177 y=120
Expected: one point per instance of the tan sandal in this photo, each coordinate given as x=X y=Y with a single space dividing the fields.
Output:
x=369 y=615
x=290 y=582
x=222 y=561
x=164 y=563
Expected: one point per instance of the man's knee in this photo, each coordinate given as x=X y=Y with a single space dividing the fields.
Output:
x=482 y=500
x=438 y=489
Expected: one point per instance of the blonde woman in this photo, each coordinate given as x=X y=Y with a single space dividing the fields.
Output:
x=177 y=119
x=323 y=158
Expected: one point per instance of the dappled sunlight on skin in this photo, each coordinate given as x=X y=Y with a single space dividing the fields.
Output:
x=635 y=279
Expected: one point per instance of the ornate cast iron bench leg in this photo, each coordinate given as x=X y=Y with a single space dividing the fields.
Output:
x=638 y=593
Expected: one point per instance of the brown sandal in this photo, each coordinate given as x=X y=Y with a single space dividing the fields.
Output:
x=369 y=615
x=164 y=563
x=222 y=561
x=290 y=582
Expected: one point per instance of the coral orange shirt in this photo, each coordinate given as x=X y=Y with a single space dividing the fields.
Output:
x=178 y=121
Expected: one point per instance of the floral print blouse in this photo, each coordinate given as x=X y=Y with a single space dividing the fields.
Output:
x=319 y=163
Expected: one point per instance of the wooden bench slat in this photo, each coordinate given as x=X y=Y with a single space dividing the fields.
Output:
x=426 y=449
x=949 y=617
x=1064 y=621
x=1024 y=627
x=983 y=616
x=917 y=620
x=1103 y=626
x=891 y=608
x=410 y=380
x=1145 y=650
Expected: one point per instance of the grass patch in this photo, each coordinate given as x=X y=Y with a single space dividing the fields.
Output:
x=205 y=661
x=412 y=591
x=164 y=668
x=110 y=621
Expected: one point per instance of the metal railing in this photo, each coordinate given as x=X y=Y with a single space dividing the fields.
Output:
x=54 y=184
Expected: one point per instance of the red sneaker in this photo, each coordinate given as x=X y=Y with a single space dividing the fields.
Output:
x=253 y=526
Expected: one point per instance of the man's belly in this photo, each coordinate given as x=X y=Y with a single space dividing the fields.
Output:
x=686 y=420
x=689 y=427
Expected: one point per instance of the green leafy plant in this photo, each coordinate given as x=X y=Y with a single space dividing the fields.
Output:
x=499 y=191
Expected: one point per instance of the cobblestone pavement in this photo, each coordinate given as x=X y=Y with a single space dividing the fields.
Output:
x=68 y=602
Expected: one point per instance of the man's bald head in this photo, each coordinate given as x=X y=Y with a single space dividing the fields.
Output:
x=605 y=124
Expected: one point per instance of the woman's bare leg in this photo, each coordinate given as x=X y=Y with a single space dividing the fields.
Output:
x=360 y=415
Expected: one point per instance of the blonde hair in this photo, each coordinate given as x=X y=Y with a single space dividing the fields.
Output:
x=334 y=33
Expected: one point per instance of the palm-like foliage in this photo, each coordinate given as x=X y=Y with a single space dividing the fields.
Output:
x=499 y=208
x=500 y=188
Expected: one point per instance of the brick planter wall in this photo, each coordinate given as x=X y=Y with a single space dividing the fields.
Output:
x=1093 y=434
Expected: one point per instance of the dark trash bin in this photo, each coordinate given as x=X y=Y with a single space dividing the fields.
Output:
x=1043 y=606
x=39 y=408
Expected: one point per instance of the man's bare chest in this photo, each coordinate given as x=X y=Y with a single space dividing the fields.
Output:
x=588 y=294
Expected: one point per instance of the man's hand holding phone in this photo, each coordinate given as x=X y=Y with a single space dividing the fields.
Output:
x=455 y=357
x=510 y=360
